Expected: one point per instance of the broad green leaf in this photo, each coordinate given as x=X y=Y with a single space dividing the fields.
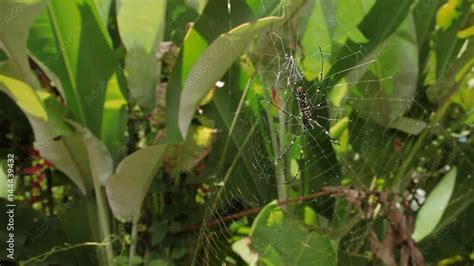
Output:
x=17 y=18
x=3 y=56
x=211 y=24
x=243 y=247
x=103 y=7
x=197 y=5
x=27 y=98
x=435 y=205
x=70 y=40
x=160 y=262
x=316 y=35
x=181 y=158
x=211 y=66
x=98 y=155
x=141 y=30
x=423 y=14
x=348 y=16
x=159 y=230
x=408 y=125
x=466 y=33
x=397 y=69
x=445 y=41
x=447 y=13
x=281 y=240
x=375 y=33
x=77 y=153
x=114 y=121
x=124 y=260
x=128 y=186
x=447 y=79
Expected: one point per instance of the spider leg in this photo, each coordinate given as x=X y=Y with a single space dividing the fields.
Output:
x=289 y=146
x=322 y=64
x=314 y=122
x=286 y=112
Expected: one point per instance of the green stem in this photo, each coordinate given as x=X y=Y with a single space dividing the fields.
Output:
x=103 y=214
x=104 y=222
x=279 y=167
x=133 y=243
x=92 y=215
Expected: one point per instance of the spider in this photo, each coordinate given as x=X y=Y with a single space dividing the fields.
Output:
x=305 y=117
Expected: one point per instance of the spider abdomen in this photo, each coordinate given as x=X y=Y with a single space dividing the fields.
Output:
x=304 y=106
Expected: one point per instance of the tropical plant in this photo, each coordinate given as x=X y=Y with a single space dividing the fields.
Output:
x=252 y=132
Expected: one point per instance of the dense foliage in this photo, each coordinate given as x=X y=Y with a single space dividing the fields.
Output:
x=173 y=132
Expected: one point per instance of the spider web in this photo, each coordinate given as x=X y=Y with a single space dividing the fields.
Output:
x=351 y=103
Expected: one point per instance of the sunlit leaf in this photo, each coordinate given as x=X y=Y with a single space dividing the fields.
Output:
x=58 y=40
x=27 y=98
x=141 y=30
x=432 y=210
x=447 y=13
x=281 y=240
x=127 y=187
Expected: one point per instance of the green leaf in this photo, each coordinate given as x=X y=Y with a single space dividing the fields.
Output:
x=141 y=30
x=182 y=158
x=408 y=125
x=281 y=240
x=70 y=40
x=206 y=71
x=124 y=260
x=397 y=69
x=128 y=186
x=17 y=18
x=446 y=43
x=447 y=13
x=114 y=121
x=374 y=31
x=423 y=14
x=243 y=247
x=197 y=5
x=77 y=153
x=160 y=262
x=103 y=7
x=27 y=98
x=432 y=210
x=159 y=230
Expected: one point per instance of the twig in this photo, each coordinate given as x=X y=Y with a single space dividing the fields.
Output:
x=253 y=211
x=42 y=257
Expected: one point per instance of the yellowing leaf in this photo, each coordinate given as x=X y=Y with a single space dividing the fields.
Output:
x=26 y=97
x=209 y=96
x=447 y=13
x=203 y=136
x=466 y=33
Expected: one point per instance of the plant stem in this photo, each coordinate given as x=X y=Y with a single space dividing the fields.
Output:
x=279 y=170
x=103 y=214
x=92 y=215
x=104 y=221
x=133 y=243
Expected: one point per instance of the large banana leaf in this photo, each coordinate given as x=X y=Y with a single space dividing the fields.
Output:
x=206 y=56
x=141 y=30
x=69 y=39
x=128 y=186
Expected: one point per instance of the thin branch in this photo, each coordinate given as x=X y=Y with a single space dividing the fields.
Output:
x=253 y=211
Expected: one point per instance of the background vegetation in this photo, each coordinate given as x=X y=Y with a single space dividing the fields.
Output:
x=152 y=132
